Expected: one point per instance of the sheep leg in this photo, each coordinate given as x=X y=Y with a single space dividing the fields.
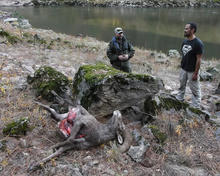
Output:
x=62 y=148
x=66 y=143
x=39 y=164
x=57 y=116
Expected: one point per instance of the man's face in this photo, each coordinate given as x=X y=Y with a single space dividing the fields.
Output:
x=120 y=35
x=187 y=31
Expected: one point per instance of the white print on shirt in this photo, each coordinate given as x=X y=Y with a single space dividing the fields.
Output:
x=186 y=49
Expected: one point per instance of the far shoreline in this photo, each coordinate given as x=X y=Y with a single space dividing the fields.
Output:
x=115 y=3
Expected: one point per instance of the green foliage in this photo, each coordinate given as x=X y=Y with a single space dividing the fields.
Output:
x=141 y=77
x=3 y=145
x=160 y=136
x=11 y=39
x=171 y=102
x=16 y=128
x=94 y=73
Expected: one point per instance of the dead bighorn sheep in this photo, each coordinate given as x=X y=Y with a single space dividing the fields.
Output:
x=87 y=132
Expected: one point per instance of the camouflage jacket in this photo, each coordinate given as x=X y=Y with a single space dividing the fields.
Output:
x=118 y=47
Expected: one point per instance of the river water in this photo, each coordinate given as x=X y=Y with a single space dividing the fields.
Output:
x=156 y=29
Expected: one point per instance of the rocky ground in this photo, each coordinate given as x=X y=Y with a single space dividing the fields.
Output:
x=192 y=149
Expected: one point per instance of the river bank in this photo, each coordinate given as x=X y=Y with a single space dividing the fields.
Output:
x=22 y=51
x=115 y=3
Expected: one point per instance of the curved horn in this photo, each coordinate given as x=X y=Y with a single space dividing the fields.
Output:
x=127 y=140
x=122 y=131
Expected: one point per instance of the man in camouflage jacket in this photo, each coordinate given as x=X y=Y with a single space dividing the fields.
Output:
x=120 y=51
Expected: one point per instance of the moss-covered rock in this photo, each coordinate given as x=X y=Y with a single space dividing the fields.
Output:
x=160 y=136
x=93 y=74
x=17 y=128
x=156 y=104
x=46 y=79
x=169 y=102
x=101 y=89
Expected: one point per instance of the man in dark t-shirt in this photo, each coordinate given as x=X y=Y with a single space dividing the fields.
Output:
x=192 y=50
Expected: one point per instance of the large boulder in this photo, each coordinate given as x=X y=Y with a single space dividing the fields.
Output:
x=102 y=89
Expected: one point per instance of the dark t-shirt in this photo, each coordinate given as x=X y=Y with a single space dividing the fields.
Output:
x=189 y=49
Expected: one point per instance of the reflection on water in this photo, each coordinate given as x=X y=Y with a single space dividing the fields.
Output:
x=156 y=29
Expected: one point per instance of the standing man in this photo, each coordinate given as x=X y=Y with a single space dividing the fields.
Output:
x=120 y=51
x=192 y=50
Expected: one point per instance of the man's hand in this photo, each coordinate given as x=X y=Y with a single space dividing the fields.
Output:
x=120 y=57
x=123 y=57
x=126 y=56
x=195 y=76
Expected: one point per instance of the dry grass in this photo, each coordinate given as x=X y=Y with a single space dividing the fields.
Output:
x=193 y=142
